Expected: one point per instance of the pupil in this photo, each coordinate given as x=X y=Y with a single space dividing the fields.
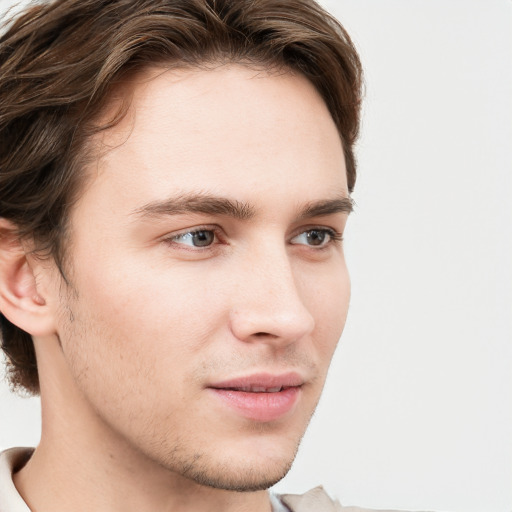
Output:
x=203 y=238
x=316 y=237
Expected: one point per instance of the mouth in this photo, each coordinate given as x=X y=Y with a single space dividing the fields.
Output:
x=261 y=397
x=257 y=389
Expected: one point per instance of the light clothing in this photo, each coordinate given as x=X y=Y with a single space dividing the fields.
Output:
x=316 y=500
x=10 y=460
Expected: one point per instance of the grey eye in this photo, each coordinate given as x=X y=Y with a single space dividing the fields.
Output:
x=203 y=238
x=199 y=238
x=312 y=237
x=316 y=237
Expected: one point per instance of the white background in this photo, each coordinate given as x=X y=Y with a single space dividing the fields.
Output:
x=417 y=411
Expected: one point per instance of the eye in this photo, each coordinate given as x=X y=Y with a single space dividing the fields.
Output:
x=197 y=238
x=317 y=237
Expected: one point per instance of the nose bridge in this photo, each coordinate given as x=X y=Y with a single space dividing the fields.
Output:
x=269 y=306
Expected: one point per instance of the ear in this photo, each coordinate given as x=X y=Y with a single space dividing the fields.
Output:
x=20 y=300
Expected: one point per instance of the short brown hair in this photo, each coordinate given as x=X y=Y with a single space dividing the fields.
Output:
x=59 y=60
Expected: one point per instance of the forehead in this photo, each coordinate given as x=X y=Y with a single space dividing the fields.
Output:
x=214 y=128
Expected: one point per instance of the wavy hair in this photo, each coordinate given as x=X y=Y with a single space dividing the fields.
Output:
x=60 y=61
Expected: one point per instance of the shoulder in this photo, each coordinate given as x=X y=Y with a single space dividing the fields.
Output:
x=10 y=461
x=317 y=500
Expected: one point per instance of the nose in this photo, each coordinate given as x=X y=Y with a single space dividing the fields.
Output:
x=269 y=308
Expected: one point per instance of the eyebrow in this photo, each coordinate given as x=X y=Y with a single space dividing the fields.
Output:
x=327 y=207
x=213 y=205
x=197 y=203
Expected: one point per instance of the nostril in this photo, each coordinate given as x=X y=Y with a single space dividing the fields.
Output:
x=276 y=324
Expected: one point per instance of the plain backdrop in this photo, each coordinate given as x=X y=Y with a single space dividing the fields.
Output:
x=417 y=410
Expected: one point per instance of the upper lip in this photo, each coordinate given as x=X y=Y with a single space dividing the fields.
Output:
x=261 y=382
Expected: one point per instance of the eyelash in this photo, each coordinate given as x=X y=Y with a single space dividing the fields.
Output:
x=171 y=239
x=334 y=237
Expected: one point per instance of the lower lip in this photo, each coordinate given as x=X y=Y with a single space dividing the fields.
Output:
x=260 y=406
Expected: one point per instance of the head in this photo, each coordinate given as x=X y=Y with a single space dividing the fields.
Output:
x=174 y=181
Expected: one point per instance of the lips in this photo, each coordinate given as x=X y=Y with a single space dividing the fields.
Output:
x=260 y=397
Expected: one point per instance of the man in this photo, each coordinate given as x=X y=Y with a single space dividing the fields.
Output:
x=175 y=180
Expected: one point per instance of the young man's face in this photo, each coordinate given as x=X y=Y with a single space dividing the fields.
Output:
x=209 y=289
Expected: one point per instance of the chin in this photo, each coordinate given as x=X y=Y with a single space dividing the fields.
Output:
x=243 y=467
x=240 y=477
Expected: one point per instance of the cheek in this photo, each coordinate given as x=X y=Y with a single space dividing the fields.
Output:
x=328 y=302
x=127 y=349
x=137 y=322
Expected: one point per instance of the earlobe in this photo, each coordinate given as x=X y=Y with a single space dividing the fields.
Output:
x=20 y=300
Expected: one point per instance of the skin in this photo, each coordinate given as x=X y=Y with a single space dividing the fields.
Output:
x=149 y=321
